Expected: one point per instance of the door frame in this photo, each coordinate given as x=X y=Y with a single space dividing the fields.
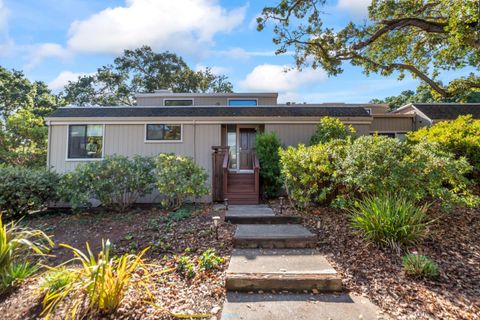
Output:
x=243 y=126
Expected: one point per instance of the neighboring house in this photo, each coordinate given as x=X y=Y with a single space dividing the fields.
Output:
x=192 y=124
x=430 y=113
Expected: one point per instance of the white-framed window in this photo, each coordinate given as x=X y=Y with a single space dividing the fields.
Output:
x=179 y=102
x=162 y=132
x=391 y=134
x=242 y=102
x=369 y=110
x=85 y=141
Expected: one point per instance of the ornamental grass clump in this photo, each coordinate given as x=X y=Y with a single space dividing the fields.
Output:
x=390 y=220
x=419 y=266
x=98 y=286
x=17 y=245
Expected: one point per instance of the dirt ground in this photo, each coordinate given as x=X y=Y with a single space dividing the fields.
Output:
x=131 y=232
x=454 y=244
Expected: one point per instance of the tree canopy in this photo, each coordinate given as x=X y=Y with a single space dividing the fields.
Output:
x=141 y=70
x=421 y=37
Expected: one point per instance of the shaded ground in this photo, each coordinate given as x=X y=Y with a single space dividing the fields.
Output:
x=132 y=232
x=454 y=244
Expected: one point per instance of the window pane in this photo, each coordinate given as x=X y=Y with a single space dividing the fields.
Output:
x=164 y=132
x=85 y=141
x=242 y=102
x=176 y=103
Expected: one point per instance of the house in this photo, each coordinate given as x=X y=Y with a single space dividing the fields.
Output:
x=430 y=113
x=199 y=124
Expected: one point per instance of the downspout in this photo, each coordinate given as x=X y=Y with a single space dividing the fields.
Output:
x=194 y=141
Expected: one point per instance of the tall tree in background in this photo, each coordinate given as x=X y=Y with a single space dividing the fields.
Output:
x=141 y=70
x=23 y=104
x=419 y=37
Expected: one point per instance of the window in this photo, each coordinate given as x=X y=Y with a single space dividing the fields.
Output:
x=85 y=141
x=177 y=102
x=242 y=102
x=387 y=134
x=164 y=132
x=369 y=110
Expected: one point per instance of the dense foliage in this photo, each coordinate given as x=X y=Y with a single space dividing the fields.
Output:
x=389 y=220
x=422 y=38
x=331 y=128
x=17 y=244
x=117 y=182
x=266 y=147
x=460 y=137
x=419 y=266
x=23 y=104
x=23 y=189
x=141 y=70
x=345 y=169
x=179 y=178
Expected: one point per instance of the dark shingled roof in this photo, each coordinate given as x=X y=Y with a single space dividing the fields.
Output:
x=270 y=111
x=448 y=111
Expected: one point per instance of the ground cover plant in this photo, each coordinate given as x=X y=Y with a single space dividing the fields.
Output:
x=24 y=189
x=266 y=149
x=419 y=266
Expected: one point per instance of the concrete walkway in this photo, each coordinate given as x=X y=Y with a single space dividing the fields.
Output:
x=273 y=255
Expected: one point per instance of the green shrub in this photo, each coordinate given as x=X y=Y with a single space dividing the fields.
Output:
x=16 y=272
x=179 y=178
x=460 y=137
x=23 y=189
x=331 y=128
x=389 y=220
x=418 y=266
x=209 y=260
x=117 y=182
x=266 y=148
x=180 y=214
x=186 y=267
x=310 y=173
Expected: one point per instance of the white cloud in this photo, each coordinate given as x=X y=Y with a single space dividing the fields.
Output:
x=6 y=43
x=47 y=50
x=63 y=78
x=240 y=53
x=179 y=25
x=357 y=8
x=271 y=77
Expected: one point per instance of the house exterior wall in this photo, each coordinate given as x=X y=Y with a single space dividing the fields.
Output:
x=392 y=124
x=420 y=120
x=203 y=101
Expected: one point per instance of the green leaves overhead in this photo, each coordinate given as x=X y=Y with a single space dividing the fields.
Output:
x=421 y=37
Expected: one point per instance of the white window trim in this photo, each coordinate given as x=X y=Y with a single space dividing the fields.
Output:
x=228 y=101
x=85 y=159
x=396 y=133
x=191 y=99
x=369 y=110
x=145 y=140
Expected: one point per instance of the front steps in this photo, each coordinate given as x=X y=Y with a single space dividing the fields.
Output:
x=257 y=214
x=241 y=188
x=273 y=236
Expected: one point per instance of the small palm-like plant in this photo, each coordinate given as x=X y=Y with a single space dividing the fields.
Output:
x=16 y=244
x=98 y=285
x=390 y=220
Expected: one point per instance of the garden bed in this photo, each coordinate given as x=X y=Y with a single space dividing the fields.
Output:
x=132 y=232
x=377 y=273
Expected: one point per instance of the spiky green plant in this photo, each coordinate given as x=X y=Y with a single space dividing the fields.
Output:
x=15 y=273
x=419 y=266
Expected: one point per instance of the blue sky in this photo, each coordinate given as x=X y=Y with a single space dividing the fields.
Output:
x=57 y=40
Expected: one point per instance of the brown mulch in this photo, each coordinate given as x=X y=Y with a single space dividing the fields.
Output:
x=132 y=232
x=454 y=243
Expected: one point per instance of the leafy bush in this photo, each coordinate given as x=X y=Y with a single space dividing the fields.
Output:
x=16 y=245
x=23 y=189
x=209 y=260
x=180 y=214
x=310 y=172
x=377 y=164
x=117 y=182
x=419 y=266
x=331 y=128
x=266 y=148
x=98 y=285
x=389 y=220
x=186 y=267
x=460 y=137
x=179 y=178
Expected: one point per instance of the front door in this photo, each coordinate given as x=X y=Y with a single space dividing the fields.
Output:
x=247 y=147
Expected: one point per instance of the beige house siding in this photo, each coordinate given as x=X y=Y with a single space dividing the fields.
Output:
x=203 y=101
x=392 y=124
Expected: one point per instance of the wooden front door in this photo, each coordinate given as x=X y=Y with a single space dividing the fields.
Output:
x=247 y=147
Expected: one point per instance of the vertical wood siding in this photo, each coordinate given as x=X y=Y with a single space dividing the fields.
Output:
x=392 y=124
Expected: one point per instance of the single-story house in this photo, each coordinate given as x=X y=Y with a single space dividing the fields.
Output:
x=199 y=124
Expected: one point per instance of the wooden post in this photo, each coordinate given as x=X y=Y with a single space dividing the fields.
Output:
x=218 y=156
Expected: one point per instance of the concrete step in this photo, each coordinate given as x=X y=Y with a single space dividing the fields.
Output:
x=243 y=306
x=261 y=219
x=283 y=269
x=273 y=236
x=248 y=210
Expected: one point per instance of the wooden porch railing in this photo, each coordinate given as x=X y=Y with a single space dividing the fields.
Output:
x=226 y=162
x=256 y=170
